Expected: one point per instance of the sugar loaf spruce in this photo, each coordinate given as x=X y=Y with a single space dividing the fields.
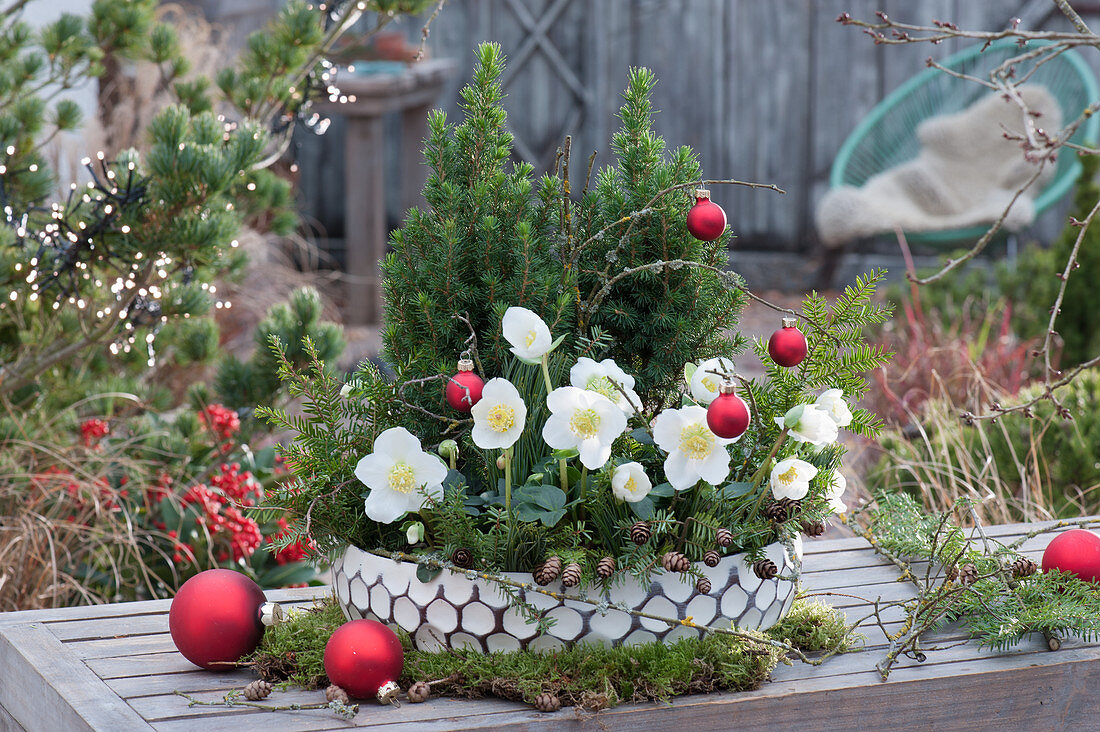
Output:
x=597 y=253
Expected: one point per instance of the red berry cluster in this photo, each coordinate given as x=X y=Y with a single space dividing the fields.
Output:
x=238 y=487
x=92 y=431
x=220 y=420
x=295 y=552
x=225 y=522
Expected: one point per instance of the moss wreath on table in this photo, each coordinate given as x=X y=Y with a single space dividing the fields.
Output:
x=565 y=452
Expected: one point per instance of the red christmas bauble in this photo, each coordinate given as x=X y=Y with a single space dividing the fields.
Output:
x=728 y=415
x=787 y=346
x=217 y=617
x=1076 y=551
x=706 y=220
x=464 y=388
x=365 y=659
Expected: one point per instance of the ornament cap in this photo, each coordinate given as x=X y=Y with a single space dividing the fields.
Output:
x=702 y=193
x=387 y=692
x=271 y=613
x=465 y=364
x=790 y=322
x=727 y=387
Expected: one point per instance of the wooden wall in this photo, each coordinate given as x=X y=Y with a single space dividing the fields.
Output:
x=764 y=90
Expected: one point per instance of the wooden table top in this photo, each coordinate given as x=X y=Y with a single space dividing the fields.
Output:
x=114 y=667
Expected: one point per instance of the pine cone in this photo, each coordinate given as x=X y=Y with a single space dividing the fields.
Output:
x=571 y=577
x=257 y=690
x=703 y=586
x=711 y=558
x=335 y=693
x=968 y=574
x=723 y=537
x=463 y=558
x=547 y=703
x=1024 y=567
x=548 y=571
x=640 y=533
x=782 y=510
x=605 y=568
x=675 y=562
x=951 y=573
x=813 y=528
x=419 y=692
x=765 y=569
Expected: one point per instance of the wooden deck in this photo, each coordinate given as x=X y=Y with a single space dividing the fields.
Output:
x=113 y=667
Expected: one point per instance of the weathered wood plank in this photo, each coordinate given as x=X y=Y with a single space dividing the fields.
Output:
x=46 y=687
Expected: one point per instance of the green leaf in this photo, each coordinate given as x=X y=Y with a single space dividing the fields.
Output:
x=735 y=490
x=556 y=343
x=567 y=454
x=426 y=574
x=642 y=436
x=281 y=575
x=790 y=419
x=643 y=509
x=663 y=490
x=689 y=370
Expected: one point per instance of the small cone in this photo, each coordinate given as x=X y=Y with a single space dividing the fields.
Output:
x=335 y=693
x=813 y=528
x=463 y=558
x=765 y=569
x=257 y=690
x=711 y=558
x=1024 y=567
x=571 y=577
x=605 y=568
x=723 y=537
x=640 y=533
x=675 y=562
x=547 y=703
x=548 y=571
x=419 y=692
x=703 y=586
x=968 y=574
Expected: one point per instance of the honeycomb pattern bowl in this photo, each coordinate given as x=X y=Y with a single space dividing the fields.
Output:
x=453 y=611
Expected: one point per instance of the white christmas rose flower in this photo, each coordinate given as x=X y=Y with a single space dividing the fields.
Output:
x=601 y=377
x=834 y=492
x=694 y=452
x=832 y=403
x=791 y=478
x=415 y=533
x=400 y=475
x=704 y=384
x=809 y=423
x=584 y=421
x=499 y=417
x=528 y=334
x=630 y=483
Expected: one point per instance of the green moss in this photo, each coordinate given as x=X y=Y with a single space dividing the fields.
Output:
x=814 y=626
x=590 y=676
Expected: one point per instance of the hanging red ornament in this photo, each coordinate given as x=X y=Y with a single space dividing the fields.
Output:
x=728 y=415
x=1076 y=551
x=706 y=220
x=365 y=659
x=218 y=616
x=787 y=346
x=464 y=388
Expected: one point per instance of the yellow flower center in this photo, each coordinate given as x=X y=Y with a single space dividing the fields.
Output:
x=696 y=441
x=602 y=385
x=531 y=336
x=501 y=418
x=709 y=384
x=402 y=479
x=631 y=485
x=790 y=476
x=585 y=423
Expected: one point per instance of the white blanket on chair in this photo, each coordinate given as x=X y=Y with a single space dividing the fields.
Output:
x=965 y=174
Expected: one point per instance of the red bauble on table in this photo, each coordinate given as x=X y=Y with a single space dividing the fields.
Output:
x=464 y=388
x=787 y=346
x=218 y=616
x=1076 y=551
x=728 y=415
x=365 y=659
x=706 y=220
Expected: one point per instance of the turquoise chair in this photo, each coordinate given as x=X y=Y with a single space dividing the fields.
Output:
x=887 y=136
